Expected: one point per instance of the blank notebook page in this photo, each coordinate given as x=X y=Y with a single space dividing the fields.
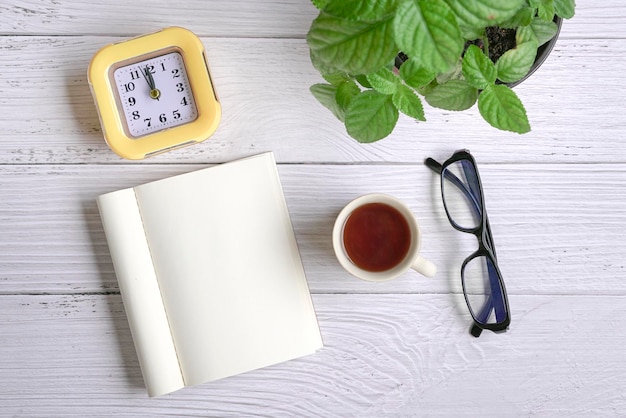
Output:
x=228 y=268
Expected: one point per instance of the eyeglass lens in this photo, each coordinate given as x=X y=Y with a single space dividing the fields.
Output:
x=461 y=195
x=483 y=291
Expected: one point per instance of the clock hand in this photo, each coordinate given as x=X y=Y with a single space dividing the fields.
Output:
x=147 y=75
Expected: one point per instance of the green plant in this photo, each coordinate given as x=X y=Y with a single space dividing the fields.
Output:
x=353 y=44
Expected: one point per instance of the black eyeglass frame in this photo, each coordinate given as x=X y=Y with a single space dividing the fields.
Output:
x=482 y=232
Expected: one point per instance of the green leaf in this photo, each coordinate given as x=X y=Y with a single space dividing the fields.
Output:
x=565 y=8
x=336 y=78
x=452 y=95
x=322 y=67
x=362 y=80
x=472 y=33
x=479 y=71
x=543 y=31
x=408 y=103
x=325 y=94
x=456 y=73
x=525 y=34
x=362 y=10
x=500 y=106
x=320 y=4
x=426 y=30
x=515 y=63
x=345 y=93
x=477 y=14
x=545 y=10
x=384 y=81
x=415 y=75
x=351 y=47
x=371 y=116
x=428 y=88
x=523 y=17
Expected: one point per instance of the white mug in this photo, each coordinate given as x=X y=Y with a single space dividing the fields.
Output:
x=383 y=272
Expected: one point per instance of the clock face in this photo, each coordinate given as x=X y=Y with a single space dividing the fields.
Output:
x=154 y=94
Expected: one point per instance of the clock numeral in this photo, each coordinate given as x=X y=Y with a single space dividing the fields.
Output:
x=136 y=85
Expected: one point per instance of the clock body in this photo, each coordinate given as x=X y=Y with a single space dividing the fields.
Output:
x=154 y=93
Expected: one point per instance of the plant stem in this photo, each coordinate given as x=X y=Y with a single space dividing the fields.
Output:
x=486 y=44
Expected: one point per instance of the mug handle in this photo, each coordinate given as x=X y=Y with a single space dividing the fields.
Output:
x=424 y=266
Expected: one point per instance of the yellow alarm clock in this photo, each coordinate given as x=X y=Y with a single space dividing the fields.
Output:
x=154 y=93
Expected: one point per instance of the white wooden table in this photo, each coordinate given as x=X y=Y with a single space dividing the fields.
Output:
x=556 y=199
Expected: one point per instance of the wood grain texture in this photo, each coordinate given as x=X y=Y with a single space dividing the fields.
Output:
x=556 y=200
x=559 y=229
x=384 y=355
x=235 y=18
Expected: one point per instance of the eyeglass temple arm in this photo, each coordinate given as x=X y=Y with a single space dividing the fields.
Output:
x=494 y=299
x=471 y=175
x=474 y=185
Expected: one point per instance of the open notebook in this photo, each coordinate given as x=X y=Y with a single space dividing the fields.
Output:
x=210 y=273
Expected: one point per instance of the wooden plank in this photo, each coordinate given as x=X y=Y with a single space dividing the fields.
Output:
x=384 y=355
x=49 y=116
x=235 y=18
x=558 y=228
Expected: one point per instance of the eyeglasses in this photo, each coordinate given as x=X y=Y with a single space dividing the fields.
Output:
x=464 y=202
